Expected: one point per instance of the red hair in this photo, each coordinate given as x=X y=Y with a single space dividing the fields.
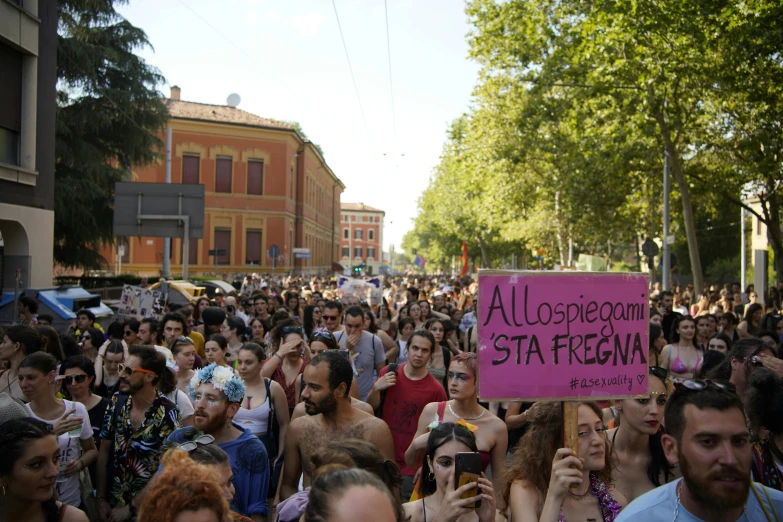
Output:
x=468 y=359
x=183 y=485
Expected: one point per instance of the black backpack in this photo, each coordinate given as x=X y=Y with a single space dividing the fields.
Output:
x=379 y=409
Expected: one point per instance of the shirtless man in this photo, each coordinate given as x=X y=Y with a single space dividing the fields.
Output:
x=330 y=417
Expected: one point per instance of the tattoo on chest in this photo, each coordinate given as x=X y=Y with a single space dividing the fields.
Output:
x=315 y=438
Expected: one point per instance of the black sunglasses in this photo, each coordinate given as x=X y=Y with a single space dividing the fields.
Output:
x=70 y=378
x=322 y=335
x=293 y=329
x=329 y=317
x=703 y=384
x=204 y=440
x=661 y=373
x=84 y=338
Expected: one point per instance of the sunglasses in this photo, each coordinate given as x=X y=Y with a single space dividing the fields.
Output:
x=71 y=378
x=127 y=333
x=84 y=338
x=661 y=373
x=330 y=317
x=128 y=371
x=183 y=339
x=293 y=329
x=204 y=440
x=322 y=335
x=703 y=384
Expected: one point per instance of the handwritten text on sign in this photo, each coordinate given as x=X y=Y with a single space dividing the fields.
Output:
x=562 y=335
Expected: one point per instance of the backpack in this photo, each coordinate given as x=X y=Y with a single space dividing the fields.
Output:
x=379 y=409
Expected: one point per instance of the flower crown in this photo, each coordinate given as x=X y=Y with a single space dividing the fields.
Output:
x=222 y=378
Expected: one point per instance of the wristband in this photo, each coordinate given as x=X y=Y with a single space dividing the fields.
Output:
x=279 y=356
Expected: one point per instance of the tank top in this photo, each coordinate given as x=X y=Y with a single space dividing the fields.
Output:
x=256 y=419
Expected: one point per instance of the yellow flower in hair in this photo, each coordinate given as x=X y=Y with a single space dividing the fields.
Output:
x=471 y=427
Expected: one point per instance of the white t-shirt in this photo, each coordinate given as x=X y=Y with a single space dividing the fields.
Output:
x=70 y=449
x=181 y=401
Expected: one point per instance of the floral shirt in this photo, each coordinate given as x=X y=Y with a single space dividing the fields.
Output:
x=136 y=453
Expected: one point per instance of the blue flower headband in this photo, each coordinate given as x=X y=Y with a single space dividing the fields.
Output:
x=222 y=378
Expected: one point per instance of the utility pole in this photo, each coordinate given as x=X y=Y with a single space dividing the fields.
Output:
x=666 y=276
x=167 y=240
x=744 y=254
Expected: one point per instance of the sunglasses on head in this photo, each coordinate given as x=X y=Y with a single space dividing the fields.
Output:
x=204 y=440
x=293 y=329
x=128 y=371
x=661 y=373
x=184 y=339
x=703 y=384
x=69 y=379
x=322 y=335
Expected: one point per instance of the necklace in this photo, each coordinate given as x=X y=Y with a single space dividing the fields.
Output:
x=677 y=506
x=581 y=497
x=466 y=418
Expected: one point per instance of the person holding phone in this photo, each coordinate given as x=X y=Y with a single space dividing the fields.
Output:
x=289 y=358
x=441 y=499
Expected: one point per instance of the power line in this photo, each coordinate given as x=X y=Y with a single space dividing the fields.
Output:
x=350 y=68
x=388 y=50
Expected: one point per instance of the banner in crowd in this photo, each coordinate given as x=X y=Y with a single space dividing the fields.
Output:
x=562 y=335
x=369 y=290
x=140 y=302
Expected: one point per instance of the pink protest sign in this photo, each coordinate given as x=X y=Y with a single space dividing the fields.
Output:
x=562 y=335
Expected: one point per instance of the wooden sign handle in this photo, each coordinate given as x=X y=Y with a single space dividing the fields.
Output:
x=571 y=426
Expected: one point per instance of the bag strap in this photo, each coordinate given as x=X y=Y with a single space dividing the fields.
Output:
x=379 y=410
x=268 y=386
x=767 y=514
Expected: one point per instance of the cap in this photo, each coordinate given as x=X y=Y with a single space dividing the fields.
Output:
x=11 y=408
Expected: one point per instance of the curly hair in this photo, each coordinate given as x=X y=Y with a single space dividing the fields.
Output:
x=532 y=460
x=183 y=485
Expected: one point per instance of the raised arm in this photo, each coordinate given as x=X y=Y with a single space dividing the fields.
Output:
x=414 y=452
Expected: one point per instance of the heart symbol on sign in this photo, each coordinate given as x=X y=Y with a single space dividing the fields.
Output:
x=640 y=378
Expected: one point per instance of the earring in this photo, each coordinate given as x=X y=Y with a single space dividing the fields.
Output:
x=431 y=476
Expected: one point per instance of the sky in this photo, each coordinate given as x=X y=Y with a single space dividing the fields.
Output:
x=285 y=58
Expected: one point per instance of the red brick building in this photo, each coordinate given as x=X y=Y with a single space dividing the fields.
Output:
x=361 y=237
x=265 y=184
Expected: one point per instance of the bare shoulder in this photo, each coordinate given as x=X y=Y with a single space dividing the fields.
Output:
x=363 y=406
x=299 y=424
x=73 y=514
x=619 y=497
x=525 y=501
x=299 y=411
x=414 y=511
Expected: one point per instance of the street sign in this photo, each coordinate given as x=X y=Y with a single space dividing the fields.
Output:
x=219 y=252
x=301 y=251
x=274 y=251
x=650 y=248
x=157 y=209
x=121 y=250
x=298 y=255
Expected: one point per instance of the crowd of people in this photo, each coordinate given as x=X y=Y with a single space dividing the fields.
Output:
x=288 y=401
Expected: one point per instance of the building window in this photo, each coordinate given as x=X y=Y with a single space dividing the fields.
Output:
x=372 y=219
x=190 y=165
x=192 y=251
x=371 y=235
x=345 y=218
x=125 y=244
x=346 y=251
x=357 y=252
x=253 y=242
x=357 y=234
x=255 y=177
x=223 y=242
x=223 y=174
x=291 y=184
x=345 y=233
x=371 y=252
x=11 y=111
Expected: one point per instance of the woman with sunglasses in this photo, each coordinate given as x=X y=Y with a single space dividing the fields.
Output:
x=745 y=357
x=18 y=342
x=683 y=356
x=107 y=363
x=640 y=464
x=90 y=340
x=29 y=467
x=77 y=375
x=70 y=421
x=290 y=355
x=184 y=351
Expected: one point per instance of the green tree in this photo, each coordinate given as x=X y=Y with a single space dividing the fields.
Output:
x=108 y=118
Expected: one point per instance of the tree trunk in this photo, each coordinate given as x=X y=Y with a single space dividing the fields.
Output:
x=484 y=253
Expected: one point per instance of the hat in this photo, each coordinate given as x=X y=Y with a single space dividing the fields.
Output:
x=11 y=408
x=213 y=315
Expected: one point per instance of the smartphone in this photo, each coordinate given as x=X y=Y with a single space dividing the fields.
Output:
x=467 y=468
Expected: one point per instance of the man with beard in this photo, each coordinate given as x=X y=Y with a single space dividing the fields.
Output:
x=217 y=394
x=706 y=436
x=330 y=417
x=665 y=304
x=136 y=424
x=408 y=388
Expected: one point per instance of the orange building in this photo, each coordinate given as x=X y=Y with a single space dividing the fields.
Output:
x=265 y=184
x=362 y=237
